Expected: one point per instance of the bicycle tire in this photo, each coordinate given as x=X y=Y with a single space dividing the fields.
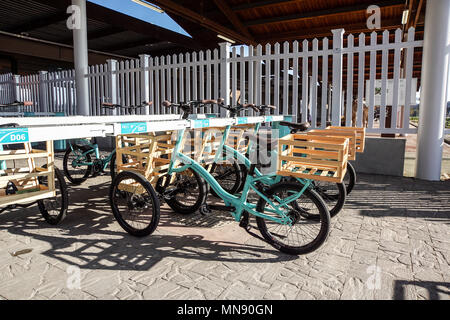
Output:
x=62 y=211
x=324 y=221
x=115 y=195
x=231 y=169
x=350 y=178
x=335 y=202
x=176 y=204
x=88 y=169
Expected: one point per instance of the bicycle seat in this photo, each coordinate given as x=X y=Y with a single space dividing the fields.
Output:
x=295 y=127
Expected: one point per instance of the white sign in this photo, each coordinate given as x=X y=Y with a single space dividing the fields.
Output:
x=390 y=91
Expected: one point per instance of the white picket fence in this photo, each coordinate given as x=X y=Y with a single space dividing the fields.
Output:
x=313 y=81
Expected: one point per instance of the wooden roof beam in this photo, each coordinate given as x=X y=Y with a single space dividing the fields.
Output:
x=261 y=4
x=188 y=14
x=132 y=44
x=325 y=12
x=39 y=22
x=233 y=18
x=324 y=31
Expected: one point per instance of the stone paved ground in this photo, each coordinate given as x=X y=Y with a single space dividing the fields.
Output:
x=392 y=241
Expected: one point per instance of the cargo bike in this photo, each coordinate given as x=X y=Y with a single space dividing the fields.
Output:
x=28 y=176
x=291 y=216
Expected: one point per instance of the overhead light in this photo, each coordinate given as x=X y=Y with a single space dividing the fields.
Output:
x=405 y=16
x=225 y=38
x=148 y=5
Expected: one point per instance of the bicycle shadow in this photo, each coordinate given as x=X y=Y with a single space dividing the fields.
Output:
x=435 y=290
x=90 y=238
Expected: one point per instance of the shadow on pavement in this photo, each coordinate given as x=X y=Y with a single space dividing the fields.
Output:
x=379 y=196
x=434 y=289
x=87 y=238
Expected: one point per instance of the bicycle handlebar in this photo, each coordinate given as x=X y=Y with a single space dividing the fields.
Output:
x=108 y=105
x=18 y=103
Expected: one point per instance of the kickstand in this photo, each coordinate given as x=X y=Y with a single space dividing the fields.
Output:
x=245 y=223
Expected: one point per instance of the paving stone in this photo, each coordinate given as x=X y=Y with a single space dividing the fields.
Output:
x=385 y=244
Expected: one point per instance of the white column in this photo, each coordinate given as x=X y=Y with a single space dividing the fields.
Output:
x=112 y=68
x=433 y=100
x=43 y=97
x=80 y=53
x=224 y=75
x=145 y=80
x=338 y=40
x=16 y=83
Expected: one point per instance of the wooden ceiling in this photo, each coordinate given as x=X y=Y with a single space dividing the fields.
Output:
x=267 y=21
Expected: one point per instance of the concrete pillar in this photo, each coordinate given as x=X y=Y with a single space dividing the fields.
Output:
x=80 y=53
x=433 y=100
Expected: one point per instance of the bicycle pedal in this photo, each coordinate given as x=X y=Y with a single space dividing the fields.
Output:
x=11 y=188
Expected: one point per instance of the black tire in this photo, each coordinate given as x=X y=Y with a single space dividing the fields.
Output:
x=244 y=171
x=83 y=172
x=112 y=167
x=54 y=210
x=310 y=201
x=187 y=193
x=333 y=194
x=124 y=202
x=228 y=175
x=350 y=178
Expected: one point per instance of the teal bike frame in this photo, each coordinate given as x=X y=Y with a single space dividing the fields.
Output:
x=93 y=148
x=240 y=203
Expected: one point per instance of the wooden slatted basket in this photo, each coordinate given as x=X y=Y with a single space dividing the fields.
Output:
x=360 y=135
x=148 y=154
x=313 y=157
x=350 y=134
x=23 y=171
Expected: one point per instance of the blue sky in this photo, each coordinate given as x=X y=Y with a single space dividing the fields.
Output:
x=135 y=10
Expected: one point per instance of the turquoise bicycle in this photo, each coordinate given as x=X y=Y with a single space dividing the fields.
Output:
x=231 y=170
x=283 y=211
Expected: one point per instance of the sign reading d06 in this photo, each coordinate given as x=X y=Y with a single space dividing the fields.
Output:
x=14 y=135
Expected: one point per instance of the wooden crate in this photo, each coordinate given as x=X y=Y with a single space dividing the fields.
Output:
x=313 y=157
x=23 y=172
x=360 y=136
x=350 y=134
x=148 y=154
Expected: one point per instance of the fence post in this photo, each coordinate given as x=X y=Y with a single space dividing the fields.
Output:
x=112 y=69
x=43 y=98
x=224 y=75
x=145 y=80
x=16 y=87
x=338 y=37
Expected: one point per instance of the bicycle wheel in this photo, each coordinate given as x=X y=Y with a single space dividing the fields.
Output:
x=350 y=178
x=333 y=194
x=113 y=167
x=304 y=235
x=77 y=174
x=244 y=171
x=187 y=193
x=54 y=209
x=134 y=203
x=228 y=175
